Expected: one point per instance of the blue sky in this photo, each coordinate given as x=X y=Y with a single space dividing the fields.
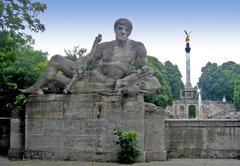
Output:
x=159 y=24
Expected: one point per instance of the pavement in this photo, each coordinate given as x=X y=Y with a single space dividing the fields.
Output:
x=172 y=162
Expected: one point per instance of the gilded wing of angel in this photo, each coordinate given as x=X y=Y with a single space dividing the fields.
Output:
x=187 y=39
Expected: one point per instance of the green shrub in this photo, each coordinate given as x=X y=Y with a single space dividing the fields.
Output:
x=127 y=141
x=67 y=158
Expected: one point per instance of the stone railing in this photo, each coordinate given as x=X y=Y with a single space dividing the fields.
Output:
x=202 y=138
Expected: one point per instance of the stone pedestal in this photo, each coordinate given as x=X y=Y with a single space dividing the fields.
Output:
x=16 y=134
x=80 y=126
x=4 y=135
x=154 y=133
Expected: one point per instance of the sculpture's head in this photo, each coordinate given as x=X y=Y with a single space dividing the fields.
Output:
x=122 y=29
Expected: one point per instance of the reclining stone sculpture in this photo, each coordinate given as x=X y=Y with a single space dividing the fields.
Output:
x=114 y=72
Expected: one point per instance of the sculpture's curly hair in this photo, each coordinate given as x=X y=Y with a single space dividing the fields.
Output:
x=123 y=21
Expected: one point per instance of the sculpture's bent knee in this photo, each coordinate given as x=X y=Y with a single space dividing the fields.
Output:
x=151 y=85
x=55 y=58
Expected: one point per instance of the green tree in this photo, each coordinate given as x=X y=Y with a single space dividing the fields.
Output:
x=173 y=76
x=207 y=81
x=161 y=97
x=20 y=66
x=16 y=15
x=75 y=53
x=236 y=97
x=218 y=81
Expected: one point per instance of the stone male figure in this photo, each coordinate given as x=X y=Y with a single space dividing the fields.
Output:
x=113 y=74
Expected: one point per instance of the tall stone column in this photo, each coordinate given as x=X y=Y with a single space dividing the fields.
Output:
x=188 y=82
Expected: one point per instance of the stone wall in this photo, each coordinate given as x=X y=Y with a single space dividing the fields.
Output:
x=80 y=127
x=202 y=138
x=4 y=135
x=226 y=115
x=154 y=133
x=16 y=149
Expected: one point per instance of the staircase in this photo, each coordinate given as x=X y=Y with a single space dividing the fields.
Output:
x=221 y=110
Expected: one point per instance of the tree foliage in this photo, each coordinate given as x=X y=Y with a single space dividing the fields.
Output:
x=16 y=15
x=237 y=93
x=75 y=53
x=173 y=76
x=161 y=97
x=218 y=81
x=20 y=66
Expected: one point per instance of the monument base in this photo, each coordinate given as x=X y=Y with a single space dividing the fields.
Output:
x=80 y=126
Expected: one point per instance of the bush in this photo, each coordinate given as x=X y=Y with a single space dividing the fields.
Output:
x=128 y=143
x=67 y=158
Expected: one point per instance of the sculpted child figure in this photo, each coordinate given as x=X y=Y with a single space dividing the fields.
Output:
x=112 y=75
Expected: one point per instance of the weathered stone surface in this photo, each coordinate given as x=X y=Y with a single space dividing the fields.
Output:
x=72 y=126
x=156 y=156
x=85 y=135
x=53 y=109
x=16 y=137
x=202 y=138
x=80 y=128
x=44 y=143
x=154 y=133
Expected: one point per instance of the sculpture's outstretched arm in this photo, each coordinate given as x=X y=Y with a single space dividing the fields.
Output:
x=86 y=59
x=81 y=65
